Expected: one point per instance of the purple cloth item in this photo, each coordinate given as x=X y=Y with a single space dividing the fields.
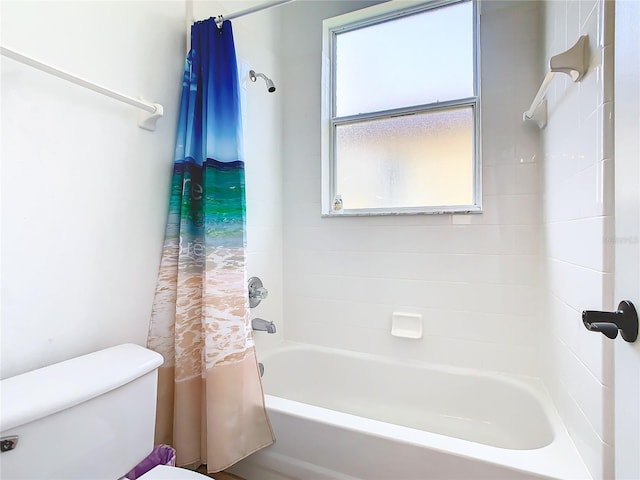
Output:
x=160 y=455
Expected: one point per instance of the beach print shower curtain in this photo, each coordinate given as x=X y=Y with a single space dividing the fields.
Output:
x=210 y=399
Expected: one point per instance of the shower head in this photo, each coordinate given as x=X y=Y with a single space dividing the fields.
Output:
x=270 y=86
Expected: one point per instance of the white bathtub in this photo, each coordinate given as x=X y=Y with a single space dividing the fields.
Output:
x=345 y=415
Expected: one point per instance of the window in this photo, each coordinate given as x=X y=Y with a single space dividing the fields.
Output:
x=400 y=110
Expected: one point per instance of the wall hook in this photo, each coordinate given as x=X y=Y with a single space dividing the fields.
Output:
x=624 y=319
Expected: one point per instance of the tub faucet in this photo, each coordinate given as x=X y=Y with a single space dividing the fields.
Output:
x=263 y=325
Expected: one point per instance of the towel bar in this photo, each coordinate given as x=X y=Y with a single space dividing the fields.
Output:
x=572 y=62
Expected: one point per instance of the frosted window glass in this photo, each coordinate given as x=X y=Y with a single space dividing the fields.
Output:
x=408 y=161
x=413 y=60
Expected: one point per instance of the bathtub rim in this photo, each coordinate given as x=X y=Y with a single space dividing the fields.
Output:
x=558 y=459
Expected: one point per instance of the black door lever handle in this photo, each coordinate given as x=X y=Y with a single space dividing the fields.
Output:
x=624 y=319
x=609 y=330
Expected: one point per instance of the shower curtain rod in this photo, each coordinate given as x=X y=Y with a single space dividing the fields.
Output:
x=231 y=16
x=146 y=120
x=248 y=11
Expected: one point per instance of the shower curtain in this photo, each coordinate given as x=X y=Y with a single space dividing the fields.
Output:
x=210 y=399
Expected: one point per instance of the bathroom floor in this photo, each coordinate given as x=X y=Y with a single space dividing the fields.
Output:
x=219 y=475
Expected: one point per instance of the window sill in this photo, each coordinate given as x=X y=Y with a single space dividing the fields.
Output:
x=369 y=212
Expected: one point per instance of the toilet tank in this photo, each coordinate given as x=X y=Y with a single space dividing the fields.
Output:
x=91 y=417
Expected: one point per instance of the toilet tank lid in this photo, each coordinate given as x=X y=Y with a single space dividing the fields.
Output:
x=45 y=391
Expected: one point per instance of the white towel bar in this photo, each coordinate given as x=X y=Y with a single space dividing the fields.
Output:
x=572 y=62
x=146 y=120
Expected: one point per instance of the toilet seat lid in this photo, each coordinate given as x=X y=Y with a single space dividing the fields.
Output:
x=164 y=472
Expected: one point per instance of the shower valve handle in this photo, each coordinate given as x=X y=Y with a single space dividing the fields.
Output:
x=624 y=319
x=260 y=293
x=257 y=292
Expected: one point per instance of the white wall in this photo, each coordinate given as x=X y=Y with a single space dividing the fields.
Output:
x=578 y=229
x=627 y=232
x=474 y=278
x=84 y=190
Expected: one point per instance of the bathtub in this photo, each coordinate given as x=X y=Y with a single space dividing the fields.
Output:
x=345 y=415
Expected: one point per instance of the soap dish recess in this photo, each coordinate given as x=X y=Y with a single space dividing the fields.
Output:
x=406 y=325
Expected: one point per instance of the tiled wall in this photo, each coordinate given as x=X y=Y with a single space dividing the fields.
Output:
x=474 y=278
x=578 y=229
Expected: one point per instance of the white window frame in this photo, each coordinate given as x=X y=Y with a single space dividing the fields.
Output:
x=363 y=18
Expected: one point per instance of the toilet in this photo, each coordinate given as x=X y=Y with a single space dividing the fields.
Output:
x=91 y=417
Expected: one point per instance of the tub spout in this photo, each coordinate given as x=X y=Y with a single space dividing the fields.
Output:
x=263 y=325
